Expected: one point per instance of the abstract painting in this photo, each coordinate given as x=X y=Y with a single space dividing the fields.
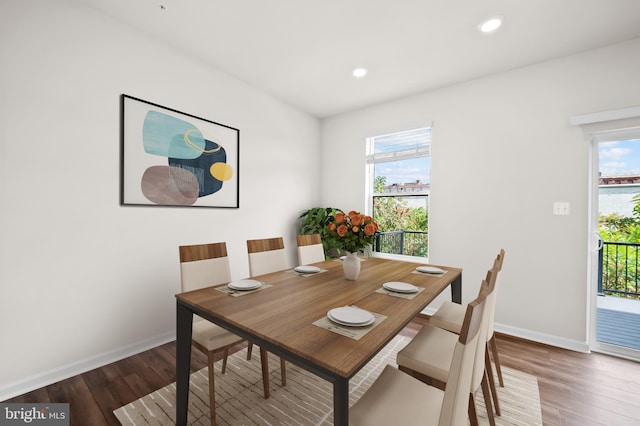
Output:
x=170 y=158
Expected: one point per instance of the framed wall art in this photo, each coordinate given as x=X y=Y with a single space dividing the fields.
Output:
x=171 y=158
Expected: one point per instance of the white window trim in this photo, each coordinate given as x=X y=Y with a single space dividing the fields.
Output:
x=372 y=159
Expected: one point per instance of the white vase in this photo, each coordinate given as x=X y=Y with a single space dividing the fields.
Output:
x=351 y=266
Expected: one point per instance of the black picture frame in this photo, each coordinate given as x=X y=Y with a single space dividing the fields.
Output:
x=171 y=158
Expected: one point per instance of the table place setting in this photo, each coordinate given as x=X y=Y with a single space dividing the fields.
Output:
x=400 y=289
x=429 y=270
x=307 y=270
x=242 y=287
x=350 y=321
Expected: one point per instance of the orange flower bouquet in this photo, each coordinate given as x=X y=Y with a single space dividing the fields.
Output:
x=352 y=232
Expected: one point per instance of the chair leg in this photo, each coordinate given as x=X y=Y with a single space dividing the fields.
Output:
x=249 y=350
x=496 y=359
x=492 y=381
x=487 y=399
x=212 y=390
x=283 y=371
x=265 y=371
x=224 y=360
x=473 y=415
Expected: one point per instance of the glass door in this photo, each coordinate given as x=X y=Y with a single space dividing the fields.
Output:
x=615 y=244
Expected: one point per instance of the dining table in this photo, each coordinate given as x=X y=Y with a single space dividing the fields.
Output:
x=288 y=316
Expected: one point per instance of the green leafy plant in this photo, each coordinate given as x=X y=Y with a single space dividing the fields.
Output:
x=315 y=221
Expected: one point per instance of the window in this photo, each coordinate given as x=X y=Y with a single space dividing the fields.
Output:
x=398 y=169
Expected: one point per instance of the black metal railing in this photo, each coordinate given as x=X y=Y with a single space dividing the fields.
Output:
x=618 y=269
x=411 y=243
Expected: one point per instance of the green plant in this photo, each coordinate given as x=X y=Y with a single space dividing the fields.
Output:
x=315 y=221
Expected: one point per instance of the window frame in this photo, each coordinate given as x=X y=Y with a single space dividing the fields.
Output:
x=413 y=143
x=371 y=161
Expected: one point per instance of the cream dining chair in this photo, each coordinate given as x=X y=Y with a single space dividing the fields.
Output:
x=428 y=356
x=265 y=256
x=396 y=398
x=310 y=249
x=204 y=265
x=449 y=317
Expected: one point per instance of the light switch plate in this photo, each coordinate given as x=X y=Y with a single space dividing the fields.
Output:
x=561 y=208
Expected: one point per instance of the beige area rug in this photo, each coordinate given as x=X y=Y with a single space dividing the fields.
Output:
x=307 y=399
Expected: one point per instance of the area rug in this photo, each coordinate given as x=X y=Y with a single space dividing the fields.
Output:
x=307 y=399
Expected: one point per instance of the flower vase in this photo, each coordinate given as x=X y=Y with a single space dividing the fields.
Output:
x=351 y=266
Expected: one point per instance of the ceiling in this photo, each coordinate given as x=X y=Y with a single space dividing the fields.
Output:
x=303 y=52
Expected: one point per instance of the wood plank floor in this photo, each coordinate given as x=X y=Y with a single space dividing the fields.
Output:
x=575 y=389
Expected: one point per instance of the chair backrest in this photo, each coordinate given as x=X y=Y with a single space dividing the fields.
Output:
x=487 y=290
x=203 y=265
x=266 y=255
x=310 y=249
x=492 y=302
x=456 y=395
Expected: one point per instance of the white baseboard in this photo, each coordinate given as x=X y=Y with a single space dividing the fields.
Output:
x=547 y=339
x=82 y=366
x=534 y=336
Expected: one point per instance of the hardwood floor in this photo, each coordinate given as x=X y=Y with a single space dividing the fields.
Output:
x=575 y=389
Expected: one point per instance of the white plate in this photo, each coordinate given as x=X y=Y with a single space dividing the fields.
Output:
x=306 y=269
x=354 y=317
x=400 y=287
x=245 y=284
x=430 y=270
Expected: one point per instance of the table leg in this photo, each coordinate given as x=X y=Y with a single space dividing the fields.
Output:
x=184 y=318
x=341 y=402
x=456 y=289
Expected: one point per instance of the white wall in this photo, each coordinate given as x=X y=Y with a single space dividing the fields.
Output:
x=503 y=152
x=84 y=280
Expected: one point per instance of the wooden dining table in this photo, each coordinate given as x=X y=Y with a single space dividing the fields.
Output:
x=284 y=317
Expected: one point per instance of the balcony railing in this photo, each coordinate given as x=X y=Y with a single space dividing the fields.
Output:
x=619 y=263
x=411 y=243
x=618 y=267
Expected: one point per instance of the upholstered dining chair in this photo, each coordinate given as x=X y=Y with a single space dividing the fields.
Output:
x=449 y=317
x=396 y=398
x=267 y=255
x=204 y=265
x=428 y=356
x=310 y=249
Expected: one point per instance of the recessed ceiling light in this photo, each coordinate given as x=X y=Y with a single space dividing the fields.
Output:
x=490 y=25
x=359 y=72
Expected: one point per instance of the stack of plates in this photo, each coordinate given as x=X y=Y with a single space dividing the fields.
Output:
x=244 y=285
x=400 y=287
x=306 y=269
x=430 y=270
x=350 y=316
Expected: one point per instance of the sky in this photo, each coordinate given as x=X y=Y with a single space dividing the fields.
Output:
x=622 y=157
x=616 y=158
x=406 y=171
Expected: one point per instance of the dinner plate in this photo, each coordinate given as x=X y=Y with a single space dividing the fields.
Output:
x=307 y=269
x=350 y=316
x=245 y=284
x=430 y=270
x=400 y=287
